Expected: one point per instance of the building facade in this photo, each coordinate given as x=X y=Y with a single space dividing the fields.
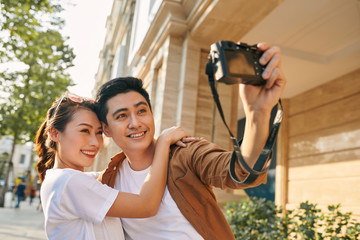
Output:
x=166 y=43
x=22 y=164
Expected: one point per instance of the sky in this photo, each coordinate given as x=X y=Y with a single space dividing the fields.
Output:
x=85 y=25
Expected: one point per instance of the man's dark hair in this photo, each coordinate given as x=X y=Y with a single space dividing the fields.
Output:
x=114 y=87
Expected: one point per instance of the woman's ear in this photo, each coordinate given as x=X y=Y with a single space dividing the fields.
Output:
x=54 y=134
x=105 y=129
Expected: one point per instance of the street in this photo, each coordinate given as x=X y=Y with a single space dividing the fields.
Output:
x=25 y=222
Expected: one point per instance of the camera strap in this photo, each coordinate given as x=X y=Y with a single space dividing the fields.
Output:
x=264 y=160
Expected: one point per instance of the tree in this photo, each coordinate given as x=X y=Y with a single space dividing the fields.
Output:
x=35 y=57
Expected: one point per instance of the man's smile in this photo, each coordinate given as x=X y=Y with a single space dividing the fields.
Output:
x=137 y=134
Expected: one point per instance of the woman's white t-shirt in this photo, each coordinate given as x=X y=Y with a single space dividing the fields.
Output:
x=75 y=206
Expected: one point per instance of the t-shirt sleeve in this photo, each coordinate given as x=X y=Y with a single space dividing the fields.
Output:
x=93 y=174
x=85 y=197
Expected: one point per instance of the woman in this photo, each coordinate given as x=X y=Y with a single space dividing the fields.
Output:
x=74 y=202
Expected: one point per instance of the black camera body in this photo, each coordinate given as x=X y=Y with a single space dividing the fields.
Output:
x=237 y=63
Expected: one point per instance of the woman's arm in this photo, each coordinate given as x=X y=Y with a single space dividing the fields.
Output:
x=146 y=203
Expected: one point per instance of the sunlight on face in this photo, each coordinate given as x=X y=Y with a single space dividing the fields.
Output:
x=80 y=141
x=130 y=122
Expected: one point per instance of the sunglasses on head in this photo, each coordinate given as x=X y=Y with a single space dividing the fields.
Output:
x=72 y=97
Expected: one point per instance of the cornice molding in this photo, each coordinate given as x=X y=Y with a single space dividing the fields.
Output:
x=169 y=20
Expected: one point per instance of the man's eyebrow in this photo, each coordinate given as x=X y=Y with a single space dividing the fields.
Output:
x=140 y=103
x=126 y=109
x=119 y=110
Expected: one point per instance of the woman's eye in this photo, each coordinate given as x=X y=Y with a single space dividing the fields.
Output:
x=100 y=132
x=85 y=130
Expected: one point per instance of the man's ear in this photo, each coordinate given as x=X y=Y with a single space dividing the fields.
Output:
x=105 y=129
x=54 y=134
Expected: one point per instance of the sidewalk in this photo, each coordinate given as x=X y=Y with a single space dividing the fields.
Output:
x=21 y=223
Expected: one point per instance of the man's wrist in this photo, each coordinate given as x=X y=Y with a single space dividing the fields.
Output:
x=258 y=116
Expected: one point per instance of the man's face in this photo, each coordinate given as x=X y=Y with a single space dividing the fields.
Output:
x=130 y=122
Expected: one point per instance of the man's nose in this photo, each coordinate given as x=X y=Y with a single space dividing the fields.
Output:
x=134 y=122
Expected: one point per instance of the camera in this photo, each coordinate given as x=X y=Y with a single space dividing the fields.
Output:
x=233 y=63
x=236 y=63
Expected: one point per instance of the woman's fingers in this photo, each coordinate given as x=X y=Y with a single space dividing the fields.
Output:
x=180 y=143
x=190 y=139
x=183 y=141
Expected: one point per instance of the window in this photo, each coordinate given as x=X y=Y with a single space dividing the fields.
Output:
x=118 y=62
x=22 y=159
x=145 y=12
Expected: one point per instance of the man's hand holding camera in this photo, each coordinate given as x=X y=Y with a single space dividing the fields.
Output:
x=263 y=98
x=258 y=102
x=257 y=70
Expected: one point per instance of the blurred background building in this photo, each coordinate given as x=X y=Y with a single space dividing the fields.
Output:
x=22 y=167
x=166 y=43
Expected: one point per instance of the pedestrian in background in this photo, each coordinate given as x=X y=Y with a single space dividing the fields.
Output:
x=20 y=193
x=32 y=194
x=39 y=207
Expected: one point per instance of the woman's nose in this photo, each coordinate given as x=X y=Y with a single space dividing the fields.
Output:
x=95 y=141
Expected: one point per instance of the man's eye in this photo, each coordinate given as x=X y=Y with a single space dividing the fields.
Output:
x=142 y=111
x=120 y=116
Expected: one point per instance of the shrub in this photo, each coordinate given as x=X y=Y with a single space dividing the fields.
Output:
x=256 y=218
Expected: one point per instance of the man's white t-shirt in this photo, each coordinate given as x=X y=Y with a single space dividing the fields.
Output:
x=75 y=206
x=168 y=223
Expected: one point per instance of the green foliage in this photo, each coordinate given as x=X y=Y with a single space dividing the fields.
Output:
x=253 y=219
x=260 y=219
x=34 y=58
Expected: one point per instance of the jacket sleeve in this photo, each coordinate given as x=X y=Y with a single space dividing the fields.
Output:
x=210 y=164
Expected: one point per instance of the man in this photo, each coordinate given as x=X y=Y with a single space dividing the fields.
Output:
x=189 y=209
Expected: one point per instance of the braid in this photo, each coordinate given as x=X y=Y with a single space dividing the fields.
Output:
x=44 y=147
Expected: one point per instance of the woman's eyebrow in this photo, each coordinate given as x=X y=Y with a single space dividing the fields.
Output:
x=85 y=124
x=88 y=125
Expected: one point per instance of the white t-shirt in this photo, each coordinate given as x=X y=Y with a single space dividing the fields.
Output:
x=168 y=223
x=75 y=206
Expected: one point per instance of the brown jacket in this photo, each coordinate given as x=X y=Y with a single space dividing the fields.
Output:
x=193 y=171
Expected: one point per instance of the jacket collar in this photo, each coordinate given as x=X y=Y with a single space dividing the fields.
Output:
x=108 y=176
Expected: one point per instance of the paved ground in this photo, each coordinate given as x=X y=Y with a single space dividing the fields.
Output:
x=25 y=222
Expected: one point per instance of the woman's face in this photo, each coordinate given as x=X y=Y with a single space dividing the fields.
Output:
x=81 y=140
